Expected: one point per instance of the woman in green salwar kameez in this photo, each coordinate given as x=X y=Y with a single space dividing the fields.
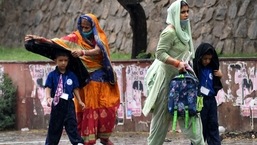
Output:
x=174 y=51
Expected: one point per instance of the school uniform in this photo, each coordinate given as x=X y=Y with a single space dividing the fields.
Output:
x=63 y=113
x=209 y=86
x=209 y=111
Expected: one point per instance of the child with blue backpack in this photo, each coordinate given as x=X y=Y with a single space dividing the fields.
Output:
x=206 y=68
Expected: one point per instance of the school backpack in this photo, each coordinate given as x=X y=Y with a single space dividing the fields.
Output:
x=184 y=100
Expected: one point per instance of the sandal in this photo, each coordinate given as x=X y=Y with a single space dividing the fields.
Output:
x=106 y=142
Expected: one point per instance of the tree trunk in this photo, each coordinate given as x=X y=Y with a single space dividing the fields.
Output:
x=138 y=24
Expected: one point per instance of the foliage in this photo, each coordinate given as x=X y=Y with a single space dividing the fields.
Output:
x=144 y=55
x=7 y=103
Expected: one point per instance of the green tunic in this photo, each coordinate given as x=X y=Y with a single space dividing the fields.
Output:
x=160 y=74
x=157 y=81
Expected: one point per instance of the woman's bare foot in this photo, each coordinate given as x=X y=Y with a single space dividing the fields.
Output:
x=106 y=142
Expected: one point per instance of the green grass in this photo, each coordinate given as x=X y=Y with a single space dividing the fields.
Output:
x=239 y=55
x=120 y=56
x=21 y=54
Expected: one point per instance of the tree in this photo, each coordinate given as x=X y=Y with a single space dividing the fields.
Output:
x=138 y=24
x=7 y=103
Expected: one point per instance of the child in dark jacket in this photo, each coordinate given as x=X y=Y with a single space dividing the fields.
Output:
x=206 y=67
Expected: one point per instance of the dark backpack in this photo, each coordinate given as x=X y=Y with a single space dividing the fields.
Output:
x=183 y=97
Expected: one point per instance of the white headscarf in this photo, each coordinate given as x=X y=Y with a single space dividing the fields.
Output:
x=173 y=18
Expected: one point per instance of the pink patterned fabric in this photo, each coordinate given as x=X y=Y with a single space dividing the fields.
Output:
x=59 y=91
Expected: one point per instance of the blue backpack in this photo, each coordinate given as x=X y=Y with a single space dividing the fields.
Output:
x=183 y=99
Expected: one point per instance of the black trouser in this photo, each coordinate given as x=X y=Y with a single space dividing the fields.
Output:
x=209 y=118
x=63 y=115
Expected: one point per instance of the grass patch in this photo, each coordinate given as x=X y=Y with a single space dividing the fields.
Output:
x=238 y=55
x=120 y=56
x=21 y=54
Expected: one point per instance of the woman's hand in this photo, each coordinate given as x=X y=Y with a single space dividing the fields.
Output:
x=182 y=66
x=77 y=53
x=30 y=37
x=37 y=38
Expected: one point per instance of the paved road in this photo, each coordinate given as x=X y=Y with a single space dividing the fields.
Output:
x=37 y=137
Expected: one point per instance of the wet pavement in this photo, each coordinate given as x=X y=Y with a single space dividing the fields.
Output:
x=37 y=137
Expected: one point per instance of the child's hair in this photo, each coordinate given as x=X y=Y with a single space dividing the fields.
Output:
x=209 y=52
x=61 y=53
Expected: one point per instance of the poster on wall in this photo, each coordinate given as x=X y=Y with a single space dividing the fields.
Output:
x=134 y=90
x=240 y=87
x=120 y=112
x=39 y=74
x=243 y=77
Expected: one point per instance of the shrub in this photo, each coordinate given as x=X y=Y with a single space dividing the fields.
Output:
x=7 y=103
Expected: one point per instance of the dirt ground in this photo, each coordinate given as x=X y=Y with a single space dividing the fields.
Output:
x=37 y=137
x=244 y=135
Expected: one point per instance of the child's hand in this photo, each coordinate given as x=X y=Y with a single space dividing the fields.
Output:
x=82 y=105
x=217 y=73
x=49 y=101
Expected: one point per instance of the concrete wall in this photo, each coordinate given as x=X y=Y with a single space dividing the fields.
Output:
x=229 y=25
x=236 y=101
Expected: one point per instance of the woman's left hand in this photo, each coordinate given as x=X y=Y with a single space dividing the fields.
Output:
x=182 y=66
x=77 y=53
